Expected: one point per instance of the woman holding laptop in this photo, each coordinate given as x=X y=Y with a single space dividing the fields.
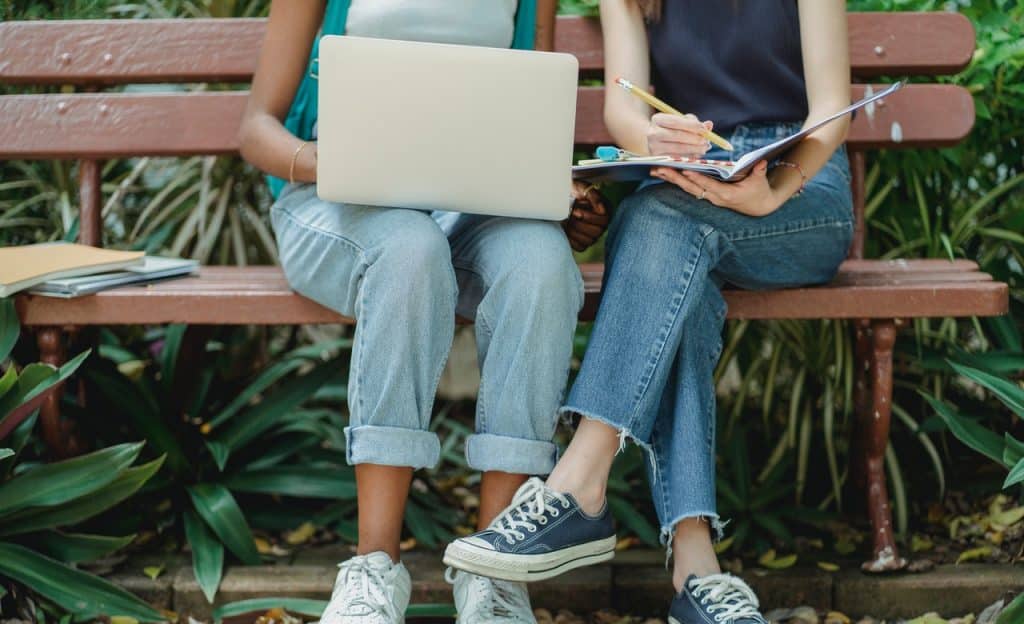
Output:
x=759 y=69
x=405 y=274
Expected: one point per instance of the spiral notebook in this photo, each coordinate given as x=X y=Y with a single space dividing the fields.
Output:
x=626 y=168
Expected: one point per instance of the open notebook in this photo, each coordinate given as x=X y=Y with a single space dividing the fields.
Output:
x=625 y=168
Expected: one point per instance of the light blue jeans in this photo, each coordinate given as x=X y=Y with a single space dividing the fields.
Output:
x=658 y=334
x=404 y=275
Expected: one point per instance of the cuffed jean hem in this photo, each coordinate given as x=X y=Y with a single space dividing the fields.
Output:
x=668 y=531
x=486 y=452
x=391 y=446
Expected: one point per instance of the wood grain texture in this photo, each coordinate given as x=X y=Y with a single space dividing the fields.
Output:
x=933 y=43
x=112 y=125
x=261 y=296
x=918 y=115
x=129 y=51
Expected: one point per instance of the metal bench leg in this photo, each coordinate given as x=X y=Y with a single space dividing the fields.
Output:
x=57 y=433
x=874 y=437
x=863 y=347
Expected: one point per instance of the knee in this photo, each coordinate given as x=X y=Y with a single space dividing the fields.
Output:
x=544 y=273
x=415 y=261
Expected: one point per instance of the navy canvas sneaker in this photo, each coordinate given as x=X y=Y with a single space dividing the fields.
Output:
x=715 y=599
x=542 y=534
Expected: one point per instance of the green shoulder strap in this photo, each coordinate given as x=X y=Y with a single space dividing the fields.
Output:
x=303 y=113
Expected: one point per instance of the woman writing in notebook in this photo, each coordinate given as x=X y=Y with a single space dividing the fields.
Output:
x=758 y=69
x=404 y=274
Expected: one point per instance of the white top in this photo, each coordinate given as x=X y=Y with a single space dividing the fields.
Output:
x=467 y=22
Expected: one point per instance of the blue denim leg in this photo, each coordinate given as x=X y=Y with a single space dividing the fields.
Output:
x=648 y=368
x=519 y=282
x=390 y=269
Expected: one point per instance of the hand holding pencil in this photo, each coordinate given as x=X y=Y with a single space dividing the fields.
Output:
x=661 y=106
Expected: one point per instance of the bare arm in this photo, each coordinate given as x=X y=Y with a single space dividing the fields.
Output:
x=628 y=118
x=263 y=139
x=825 y=44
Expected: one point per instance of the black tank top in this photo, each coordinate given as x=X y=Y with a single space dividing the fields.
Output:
x=730 y=61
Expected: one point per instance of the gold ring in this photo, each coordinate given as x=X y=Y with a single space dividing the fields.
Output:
x=703 y=192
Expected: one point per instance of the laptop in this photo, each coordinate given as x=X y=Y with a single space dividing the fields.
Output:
x=446 y=127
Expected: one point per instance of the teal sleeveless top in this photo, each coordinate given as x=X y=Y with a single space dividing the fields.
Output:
x=303 y=113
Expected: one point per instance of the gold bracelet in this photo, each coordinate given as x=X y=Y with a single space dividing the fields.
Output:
x=295 y=159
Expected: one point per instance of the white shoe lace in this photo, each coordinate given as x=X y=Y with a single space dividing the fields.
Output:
x=726 y=596
x=529 y=507
x=363 y=590
x=494 y=599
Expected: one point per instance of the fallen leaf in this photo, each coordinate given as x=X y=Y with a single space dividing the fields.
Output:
x=835 y=617
x=407 y=545
x=845 y=547
x=772 y=562
x=928 y=618
x=1008 y=517
x=301 y=534
x=919 y=543
x=724 y=545
x=974 y=554
x=626 y=543
x=264 y=547
x=153 y=572
x=828 y=567
x=122 y=619
x=132 y=369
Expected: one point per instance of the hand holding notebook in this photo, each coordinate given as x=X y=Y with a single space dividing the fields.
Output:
x=614 y=164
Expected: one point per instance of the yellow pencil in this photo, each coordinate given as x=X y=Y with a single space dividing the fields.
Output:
x=665 y=108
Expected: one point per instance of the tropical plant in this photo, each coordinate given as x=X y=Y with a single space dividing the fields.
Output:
x=40 y=502
x=1005 y=450
x=227 y=439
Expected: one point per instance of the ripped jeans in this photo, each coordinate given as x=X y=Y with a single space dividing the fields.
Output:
x=658 y=335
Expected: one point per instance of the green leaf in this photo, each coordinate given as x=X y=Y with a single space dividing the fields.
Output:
x=1014 y=450
x=303 y=481
x=626 y=514
x=60 y=482
x=1016 y=475
x=80 y=593
x=969 y=432
x=36 y=379
x=76 y=547
x=296 y=606
x=38 y=518
x=10 y=327
x=142 y=412
x=6 y=452
x=218 y=508
x=257 y=419
x=1006 y=391
x=207 y=555
x=1012 y=613
x=173 y=336
x=8 y=381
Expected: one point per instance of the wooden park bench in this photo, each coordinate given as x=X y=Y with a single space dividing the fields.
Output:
x=90 y=125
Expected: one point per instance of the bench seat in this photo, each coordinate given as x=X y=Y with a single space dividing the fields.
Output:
x=259 y=295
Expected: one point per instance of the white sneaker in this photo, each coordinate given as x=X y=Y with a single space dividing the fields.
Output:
x=370 y=589
x=479 y=599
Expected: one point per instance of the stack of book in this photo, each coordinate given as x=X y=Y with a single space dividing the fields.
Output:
x=69 y=270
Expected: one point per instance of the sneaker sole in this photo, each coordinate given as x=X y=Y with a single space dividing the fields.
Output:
x=527 y=568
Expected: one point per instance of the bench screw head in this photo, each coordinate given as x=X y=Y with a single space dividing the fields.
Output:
x=879 y=50
x=62 y=107
x=65 y=59
x=108 y=58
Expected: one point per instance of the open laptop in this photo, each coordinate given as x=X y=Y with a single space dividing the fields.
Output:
x=446 y=127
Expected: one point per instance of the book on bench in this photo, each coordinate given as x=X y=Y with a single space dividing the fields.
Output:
x=153 y=269
x=25 y=266
x=628 y=168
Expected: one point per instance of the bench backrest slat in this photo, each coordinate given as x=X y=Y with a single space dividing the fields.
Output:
x=225 y=50
x=177 y=124
x=880 y=43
